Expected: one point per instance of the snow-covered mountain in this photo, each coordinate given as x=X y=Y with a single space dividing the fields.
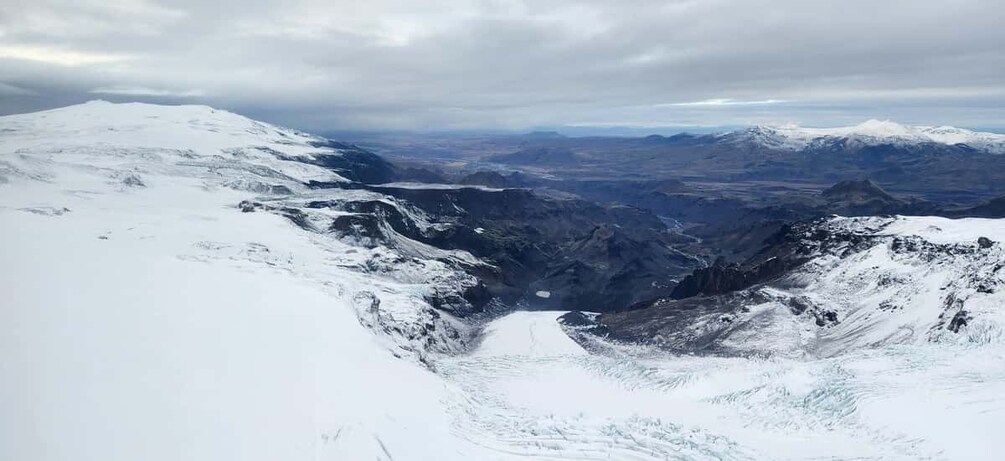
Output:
x=869 y=133
x=148 y=314
x=186 y=283
x=839 y=284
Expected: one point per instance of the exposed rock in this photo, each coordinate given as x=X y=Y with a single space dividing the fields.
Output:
x=364 y=229
x=133 y=180
x=722 y=278
x=248 y=206
x=959 y=321
x=584 y=323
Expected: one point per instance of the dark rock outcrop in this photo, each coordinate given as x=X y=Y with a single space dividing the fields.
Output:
x=724 y=278
x=582 y=323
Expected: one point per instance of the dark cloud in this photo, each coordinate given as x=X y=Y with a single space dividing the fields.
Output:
x=402 y=64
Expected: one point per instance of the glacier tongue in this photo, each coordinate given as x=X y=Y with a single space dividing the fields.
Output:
x=543 y=399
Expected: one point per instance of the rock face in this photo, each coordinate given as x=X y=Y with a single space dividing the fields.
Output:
x=723 y=278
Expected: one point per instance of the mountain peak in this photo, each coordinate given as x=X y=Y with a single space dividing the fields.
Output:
x=876 y=127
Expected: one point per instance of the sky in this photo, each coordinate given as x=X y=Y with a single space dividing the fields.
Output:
x=434 y=65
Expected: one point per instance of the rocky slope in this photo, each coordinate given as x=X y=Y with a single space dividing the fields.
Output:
x=837 y=284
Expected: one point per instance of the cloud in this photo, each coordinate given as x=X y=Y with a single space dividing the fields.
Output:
x=57 y=56
x=79 y=19
x=443 y=64
x=722 y=102
x=13 y=90
x=140 y=91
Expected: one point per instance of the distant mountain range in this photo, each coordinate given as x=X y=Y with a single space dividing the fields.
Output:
x=867 y=134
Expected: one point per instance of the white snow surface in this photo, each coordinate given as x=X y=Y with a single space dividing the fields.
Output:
x=144 y=316
x=884 y=296
x=143 y=132
x=940 y=230
x=532 y=393
x=870 y=132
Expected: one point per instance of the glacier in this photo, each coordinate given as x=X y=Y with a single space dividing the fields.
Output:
x=145 y=316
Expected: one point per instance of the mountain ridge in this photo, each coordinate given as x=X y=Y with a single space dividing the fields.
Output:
x=872 y=132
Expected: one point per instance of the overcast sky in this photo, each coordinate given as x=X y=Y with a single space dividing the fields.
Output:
x=504 y=64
